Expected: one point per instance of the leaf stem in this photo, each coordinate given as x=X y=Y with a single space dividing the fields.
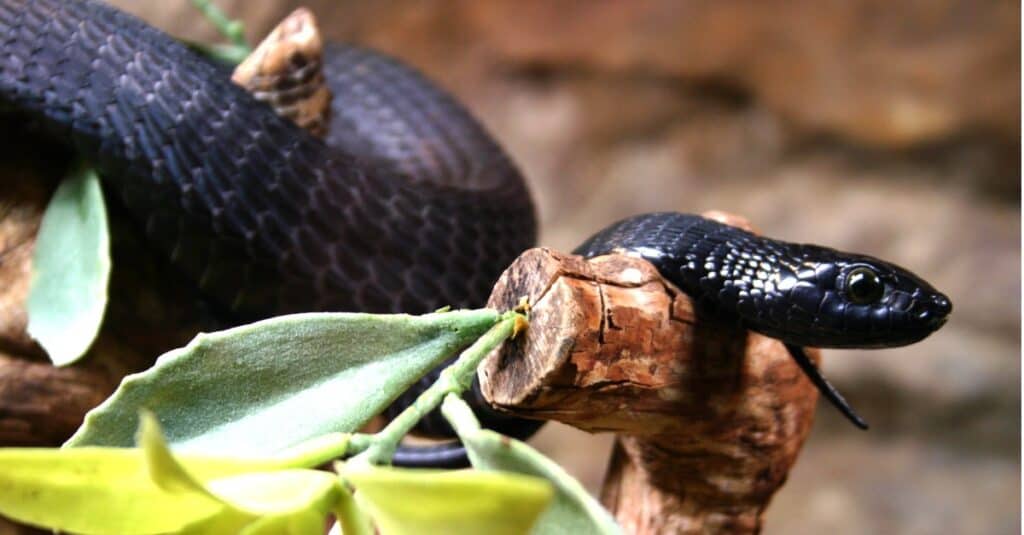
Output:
x=232 y=30
x=455 y=379
x=359 y=443
x=317 y=451
x=459 y=415
x=224 y=53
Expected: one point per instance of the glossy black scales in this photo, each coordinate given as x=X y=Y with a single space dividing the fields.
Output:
x=414 y=209
x=804 y=295
x=407 y=206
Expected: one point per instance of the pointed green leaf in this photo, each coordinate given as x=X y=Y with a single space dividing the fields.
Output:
x=277 y=491
x=282 y=501
x=573 y=510
x=297 y=523
x=70 y=269
x=93 y=490
x=411 y=502
x=148 y=490
x=309 y=454
x=163 y=468
x=285 y=501
x=255 y=390
x=350 y=519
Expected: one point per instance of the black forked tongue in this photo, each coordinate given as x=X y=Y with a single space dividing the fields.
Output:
x=826 y=388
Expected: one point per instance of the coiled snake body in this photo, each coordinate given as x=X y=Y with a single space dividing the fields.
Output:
x=407 y=206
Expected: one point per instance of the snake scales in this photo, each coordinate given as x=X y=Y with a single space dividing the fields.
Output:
x=406 y=206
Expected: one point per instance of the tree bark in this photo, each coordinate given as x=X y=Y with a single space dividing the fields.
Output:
x=709 y=418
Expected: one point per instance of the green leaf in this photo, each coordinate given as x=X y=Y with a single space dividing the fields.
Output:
x=163 y=468
x=71 y=268
x=93 y=490
x=148 y=490
x=455 y=378
x=409 y=502
x=299 y=522
x=573 y=510
x=255 y=390
x=350 y=519
x=283 y=501
x=271 y=493
x=280 y=501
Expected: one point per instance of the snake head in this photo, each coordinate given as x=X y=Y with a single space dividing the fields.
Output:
x=860 y=301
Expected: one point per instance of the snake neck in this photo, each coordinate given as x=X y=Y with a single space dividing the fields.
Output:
x=714 y=264
x=796 y=293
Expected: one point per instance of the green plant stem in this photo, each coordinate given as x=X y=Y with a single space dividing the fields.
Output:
x=359 y=443
x=459 y=415
x=317 y=451
x=455 y=379
x=232 y=30
x=229 y=54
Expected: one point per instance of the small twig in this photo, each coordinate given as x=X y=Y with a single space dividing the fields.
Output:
x=232 y=30
x=227 y=54
x=710 y=418
x=459 y=415
x=455 y=379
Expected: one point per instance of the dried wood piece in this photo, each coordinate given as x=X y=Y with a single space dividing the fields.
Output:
x=286 y=72
x=42 y=405
x=710 y=418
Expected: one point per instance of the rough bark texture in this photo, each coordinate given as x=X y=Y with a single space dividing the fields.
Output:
x=710 y=418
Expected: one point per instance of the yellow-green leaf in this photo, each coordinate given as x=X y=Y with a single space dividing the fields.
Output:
x=287 y=500
x=297 y=523
x=93 y=491
x=277 y=491
x=411 y=502
x=573 y=510
x=148 y=490
x=294 y=502
x=164 y=470
x=70 y=269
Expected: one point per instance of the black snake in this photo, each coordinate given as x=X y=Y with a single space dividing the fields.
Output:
x=408 y=205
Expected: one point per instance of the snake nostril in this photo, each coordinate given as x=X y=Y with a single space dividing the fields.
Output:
x=942 y=305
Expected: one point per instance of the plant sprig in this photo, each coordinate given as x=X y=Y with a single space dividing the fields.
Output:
x=455 y=379
x=236 y=49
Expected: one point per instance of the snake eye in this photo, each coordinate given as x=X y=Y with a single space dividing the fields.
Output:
x=863 y=286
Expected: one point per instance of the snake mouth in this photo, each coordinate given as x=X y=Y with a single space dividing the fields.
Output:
x=937 y=313
x=924 y=329
x=943 y=306
x=929 y=314
x=937 y=323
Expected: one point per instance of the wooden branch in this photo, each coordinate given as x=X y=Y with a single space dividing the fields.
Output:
x=710 y=419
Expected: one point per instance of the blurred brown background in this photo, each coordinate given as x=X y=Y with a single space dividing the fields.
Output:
x=890 y=128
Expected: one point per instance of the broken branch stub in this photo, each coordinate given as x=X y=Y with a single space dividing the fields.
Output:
x=710 y=418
